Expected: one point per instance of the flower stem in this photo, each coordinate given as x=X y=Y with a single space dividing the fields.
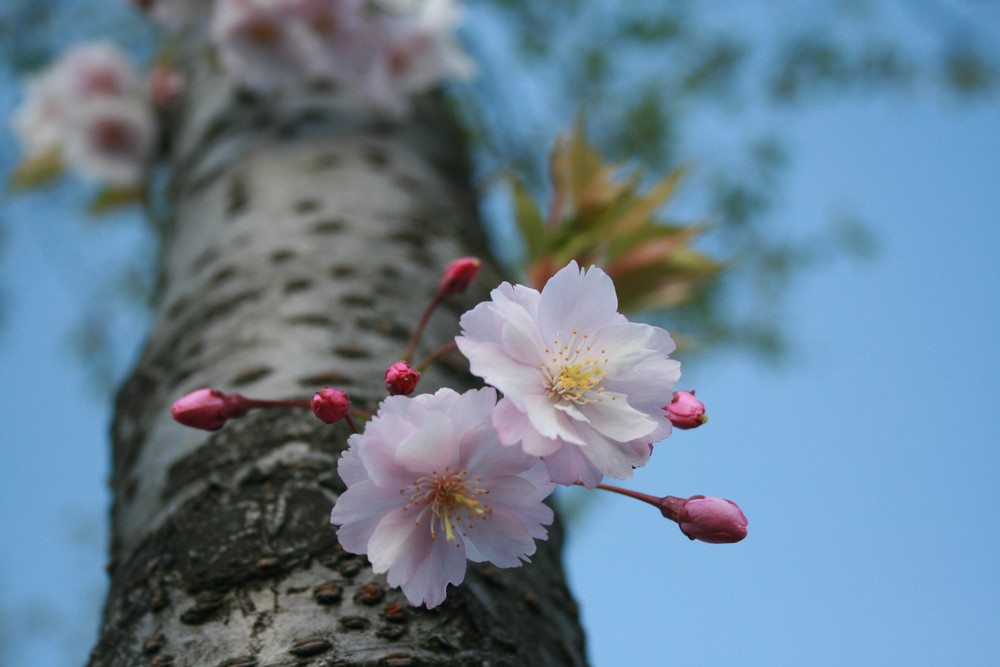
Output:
x=350 y=423
x=441 y=351
x=256 y=403
x=670 y=506
x=421 y=325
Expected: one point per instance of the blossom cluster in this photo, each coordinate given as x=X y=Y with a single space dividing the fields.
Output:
x=89 y=111
x=376 y=52
x=435 y=480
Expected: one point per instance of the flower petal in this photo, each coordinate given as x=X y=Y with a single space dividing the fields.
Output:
x=576 y=299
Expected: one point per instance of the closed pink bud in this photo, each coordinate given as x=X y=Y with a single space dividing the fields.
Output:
x=459 y=275
x=401 y=379
x=330 y=405
x=208 y=409
x=686 y=411
x=713 y=520
x=165 y=86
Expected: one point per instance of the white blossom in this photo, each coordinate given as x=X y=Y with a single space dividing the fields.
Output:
x=583 y=387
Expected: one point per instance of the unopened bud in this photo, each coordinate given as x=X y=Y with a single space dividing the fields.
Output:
x=165 y=86
x=330 y=405
x=208 y=409
x=459 y=275
x=401 y=379
x=686 y=411
x=713 y=520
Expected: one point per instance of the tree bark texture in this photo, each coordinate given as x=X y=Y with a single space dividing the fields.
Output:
x=303 y=241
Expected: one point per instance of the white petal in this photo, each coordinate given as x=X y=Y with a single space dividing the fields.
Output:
x=549 y=422
x=616 y=419
x=578 y=300
x=616 y=459
x=514 y=427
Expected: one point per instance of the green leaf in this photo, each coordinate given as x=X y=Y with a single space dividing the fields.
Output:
x=36 y=171
x=648 y=204
x=112 y=197
x=529 y=220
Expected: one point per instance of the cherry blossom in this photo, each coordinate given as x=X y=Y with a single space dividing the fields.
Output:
x=262 y=44
x=83 y=73
x=430 y=486
x=583 y=387
x=175 y=14
x=416 y=51
x=39 y=122
x=111 y=141
x=90 y=111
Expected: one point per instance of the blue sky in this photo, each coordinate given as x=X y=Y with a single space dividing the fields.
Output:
x=867 y=465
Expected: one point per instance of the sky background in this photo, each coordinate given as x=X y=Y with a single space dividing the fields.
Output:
x=867 y=464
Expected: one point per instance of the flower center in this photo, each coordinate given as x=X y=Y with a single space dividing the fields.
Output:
x=451 y=500
x=574 y=371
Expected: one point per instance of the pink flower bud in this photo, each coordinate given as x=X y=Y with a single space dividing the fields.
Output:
x=165 y=85
x=401 y=379
x=713 y=520
x=208 y=409
x=686 y=411
x=459 y=275
x=330 y=405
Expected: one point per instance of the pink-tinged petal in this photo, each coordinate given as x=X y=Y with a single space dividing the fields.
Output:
x=502 y=538
x=472 y=409
x=350 y=467
x=625 y=346
x=396 y=535
x=661 y=341
x=494 y=460
x=521 y=496
x=569 y=466
x=378 y=451
x=491 y=362
x=552 y=423
x=445 y=564
x=614 y=418
x=522 y=342
x=514 y=428
x=482 y=324
x=525 y=297
x=432 y=447
x=538 y=475
x=574 y=299
x=359 y=511
x=616 y=459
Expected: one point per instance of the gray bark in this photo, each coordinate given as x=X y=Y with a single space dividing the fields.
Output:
x=303 y=242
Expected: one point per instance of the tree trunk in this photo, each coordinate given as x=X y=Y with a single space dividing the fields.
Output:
x=303 y=241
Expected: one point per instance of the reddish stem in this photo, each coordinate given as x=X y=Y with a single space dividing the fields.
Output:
x=421 y=325
x=258 y=403
x=350 y=423
x=670 y=506
x=436 y=354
